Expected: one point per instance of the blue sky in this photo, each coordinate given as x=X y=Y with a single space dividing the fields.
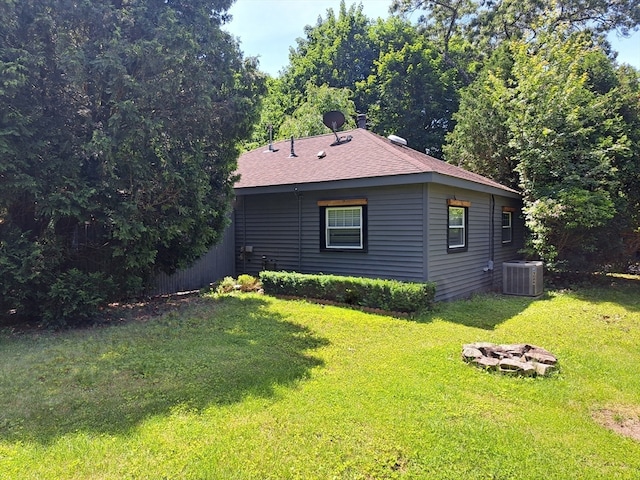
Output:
x=267 y=28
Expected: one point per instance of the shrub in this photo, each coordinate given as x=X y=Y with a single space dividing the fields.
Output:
x=226 y=285
x=245 y=283
x=75 y=297
x=248 y=283
x=391 y=295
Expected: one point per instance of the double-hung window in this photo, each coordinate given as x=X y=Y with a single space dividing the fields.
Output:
x=343 y=225
x=458 y=222
x=507 y=225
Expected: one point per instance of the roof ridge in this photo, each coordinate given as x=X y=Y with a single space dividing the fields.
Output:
x=410 y=155
x=393 y=148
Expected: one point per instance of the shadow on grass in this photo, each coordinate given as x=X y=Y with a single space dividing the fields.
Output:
x=108 y=380
x=485 y=311
x=623 y=290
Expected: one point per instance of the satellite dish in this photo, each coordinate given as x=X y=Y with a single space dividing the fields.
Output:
x=333 y=120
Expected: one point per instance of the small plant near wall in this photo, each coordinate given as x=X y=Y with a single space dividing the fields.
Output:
x=248 y=283
x=244 y=283
x=226 y=285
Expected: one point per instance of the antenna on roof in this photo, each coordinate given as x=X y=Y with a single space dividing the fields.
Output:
x=334 y=120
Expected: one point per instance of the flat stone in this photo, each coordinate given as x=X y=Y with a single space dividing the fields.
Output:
x=516 y=349
x=509 y=365
x=469 y=353
x=543 y=369
x=486 y=362
x=541 y=355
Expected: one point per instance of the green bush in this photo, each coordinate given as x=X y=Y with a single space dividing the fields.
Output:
x=226 y=285
x=391 y=295
x=75 y=297
x=248 y=283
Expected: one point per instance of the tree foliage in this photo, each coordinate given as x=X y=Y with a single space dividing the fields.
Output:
x=483 y=25
x=561 y=116
x=307 y=119
x=480 y=141
x=488 y=23
x=394 y=74
x=334 y=52
x=410 y=92
x=118 y=132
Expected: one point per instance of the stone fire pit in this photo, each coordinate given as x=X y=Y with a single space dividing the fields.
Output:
x=518 y=359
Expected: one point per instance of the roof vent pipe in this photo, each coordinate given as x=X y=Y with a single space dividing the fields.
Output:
x=397 y=140
x=293 y=153
x=361 y=120
x=270 y=149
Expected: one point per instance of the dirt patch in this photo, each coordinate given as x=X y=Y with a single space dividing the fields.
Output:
x=622 y=420
x=140 y=310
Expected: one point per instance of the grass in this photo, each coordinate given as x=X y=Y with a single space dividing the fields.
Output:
x=252 y=387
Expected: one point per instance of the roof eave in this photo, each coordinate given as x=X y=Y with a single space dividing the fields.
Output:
x=391 y=180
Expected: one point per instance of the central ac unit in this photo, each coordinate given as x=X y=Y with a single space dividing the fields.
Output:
x=521 y=277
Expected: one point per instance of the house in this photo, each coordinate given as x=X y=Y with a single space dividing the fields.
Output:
x=355 y=203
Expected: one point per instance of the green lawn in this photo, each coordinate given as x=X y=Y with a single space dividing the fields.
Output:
x=252 y=387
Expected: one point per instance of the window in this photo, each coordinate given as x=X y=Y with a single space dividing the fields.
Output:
x=343 y=227
x=507 y=227
x=457 y=232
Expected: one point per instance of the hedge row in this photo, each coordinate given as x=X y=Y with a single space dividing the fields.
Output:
x=390 y=295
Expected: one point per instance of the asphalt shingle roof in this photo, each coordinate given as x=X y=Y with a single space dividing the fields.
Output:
x=366 y=155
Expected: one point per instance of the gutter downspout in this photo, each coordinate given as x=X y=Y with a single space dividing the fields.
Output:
x=244 y=233
x=492 y=233
x=299 y=197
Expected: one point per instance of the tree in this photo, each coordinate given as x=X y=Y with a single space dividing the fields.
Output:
x=557 y=114
x=335 y=52
x=119 y=137
x=396 y=77
x=480 y=141
x=628 y=167
x=410 y=93
x=307 y=119
x=568 y=135
x=486 y=24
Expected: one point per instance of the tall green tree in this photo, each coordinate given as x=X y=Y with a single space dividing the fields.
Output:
x=410 y=92
x=395 y=75
x=467 y=31
x=480 y=141
x=307 y=119
x=333 y=52
x=563 y=121
x=118 y=139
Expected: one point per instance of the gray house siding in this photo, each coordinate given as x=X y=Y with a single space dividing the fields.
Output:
x=407 y=236
x=269 y=223
x=460 y=273
x=267 y=227
x=217 y=263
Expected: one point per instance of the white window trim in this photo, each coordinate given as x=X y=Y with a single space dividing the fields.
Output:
x=458 y=227
x=508 y=227
x=328 y=229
